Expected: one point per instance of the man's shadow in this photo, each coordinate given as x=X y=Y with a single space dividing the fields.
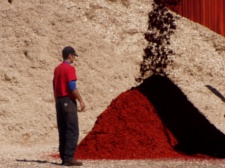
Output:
x=216 y=92
x=39 y=161
x=194 y=133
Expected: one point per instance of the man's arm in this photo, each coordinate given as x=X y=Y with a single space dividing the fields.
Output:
x=79 y=98
x=73 y=87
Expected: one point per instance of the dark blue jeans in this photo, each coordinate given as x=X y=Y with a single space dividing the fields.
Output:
x=68 y=128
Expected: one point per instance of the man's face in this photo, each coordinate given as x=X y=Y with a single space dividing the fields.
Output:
x=72 y=58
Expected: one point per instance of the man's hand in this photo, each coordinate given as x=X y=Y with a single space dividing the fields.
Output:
x=79 y=98
x=82 y=105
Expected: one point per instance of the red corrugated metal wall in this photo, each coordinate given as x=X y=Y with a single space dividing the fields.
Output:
x=210 y=13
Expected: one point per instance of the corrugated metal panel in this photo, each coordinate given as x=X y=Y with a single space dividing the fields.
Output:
x=210 y=13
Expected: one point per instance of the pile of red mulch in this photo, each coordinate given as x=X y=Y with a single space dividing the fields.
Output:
x=128 y=129
x=132 y=128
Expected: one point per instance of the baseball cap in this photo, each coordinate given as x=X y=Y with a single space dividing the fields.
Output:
x=68 y=50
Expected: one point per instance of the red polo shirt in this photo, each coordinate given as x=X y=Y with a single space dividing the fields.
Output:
x=63 y=74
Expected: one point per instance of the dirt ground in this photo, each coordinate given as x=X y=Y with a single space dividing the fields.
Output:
x=38 y=157
x=108 y=36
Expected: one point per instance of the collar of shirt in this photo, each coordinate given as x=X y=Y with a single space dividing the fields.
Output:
x=66 y=62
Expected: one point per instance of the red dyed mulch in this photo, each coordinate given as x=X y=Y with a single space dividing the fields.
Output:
x=128 y=129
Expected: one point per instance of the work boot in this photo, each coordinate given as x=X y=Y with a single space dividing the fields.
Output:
x=72 y=163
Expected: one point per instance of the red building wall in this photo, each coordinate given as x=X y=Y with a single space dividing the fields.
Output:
x=210 y=13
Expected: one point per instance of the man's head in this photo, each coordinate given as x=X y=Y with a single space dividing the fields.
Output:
x=69 y=53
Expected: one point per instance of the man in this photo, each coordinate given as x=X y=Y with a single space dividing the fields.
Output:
x=66 y=94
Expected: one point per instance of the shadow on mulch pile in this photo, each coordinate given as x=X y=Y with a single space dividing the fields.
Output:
x=194 y=133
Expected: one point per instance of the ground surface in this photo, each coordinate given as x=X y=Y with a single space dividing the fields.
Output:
x=37 y=157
